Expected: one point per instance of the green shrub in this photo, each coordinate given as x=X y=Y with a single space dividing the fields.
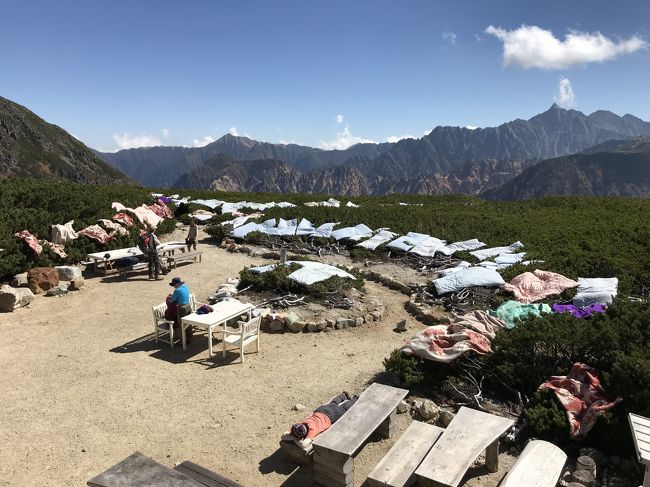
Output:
x=277 y=280
x=406 y=369
x=546 y=417
x=215 y=230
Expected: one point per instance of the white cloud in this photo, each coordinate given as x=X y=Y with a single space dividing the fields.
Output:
x=233 y=131
x=202 y=141
x=565 y=97
x=530 y=46
x=449 y=37
x=165 y=132
x=344 y=139
x=340 y=119
x=126 y=141
x=397 y=138
x=471 y=127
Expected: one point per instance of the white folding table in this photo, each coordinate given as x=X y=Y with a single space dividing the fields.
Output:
x=223 y=312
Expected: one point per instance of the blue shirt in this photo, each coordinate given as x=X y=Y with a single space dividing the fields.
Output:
x=181 y=295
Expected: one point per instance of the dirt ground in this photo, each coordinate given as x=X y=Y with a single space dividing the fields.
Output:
x=84 y=385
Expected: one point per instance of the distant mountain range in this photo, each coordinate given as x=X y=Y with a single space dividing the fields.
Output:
x=447 y=160
x=558 y=152
x=31 y=147
x=615 y=168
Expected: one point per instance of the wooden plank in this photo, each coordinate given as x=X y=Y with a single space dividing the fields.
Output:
x=204 y=476
x=539 y=465
x=348 y=434
x=138 y=470
x=398 y=466
x=468 y=434
x=640 y=432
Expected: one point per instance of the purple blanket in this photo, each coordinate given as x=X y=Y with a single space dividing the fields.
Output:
x=585 y=312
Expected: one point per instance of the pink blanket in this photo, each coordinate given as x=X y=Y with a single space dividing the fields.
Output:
x=30 y=240
x=124 y=218
x=582 y=396
x=96 y=232
x=161 y=209
x=444 y=343
x=533 y=286
x=113 y=228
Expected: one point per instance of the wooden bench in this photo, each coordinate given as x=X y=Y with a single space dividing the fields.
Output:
x=184 y=257
x=641 y=433
x=374 y=411
x=539 y=465
x=398 y=466
x=204 y=476
x=468 y=434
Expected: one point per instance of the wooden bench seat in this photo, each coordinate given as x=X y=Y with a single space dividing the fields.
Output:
x=641 y=433
x=374 y=411
x=204 y=476
x=539 y=465
x=398 y=466
x=469 y=433
x=173 y=260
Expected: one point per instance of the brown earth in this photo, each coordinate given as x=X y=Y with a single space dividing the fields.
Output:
x=84 y=385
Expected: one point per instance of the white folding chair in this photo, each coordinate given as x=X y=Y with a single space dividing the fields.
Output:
x=248 y=332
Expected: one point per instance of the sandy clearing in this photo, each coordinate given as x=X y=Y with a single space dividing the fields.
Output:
x=84 y=385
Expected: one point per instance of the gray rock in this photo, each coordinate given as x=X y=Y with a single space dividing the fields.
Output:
x=342 y=323
x=68 y=272
x=377 y=315
x=401 y=326
x=12 y=298
x=312 y=327
x=406 y=290
x=445 y=418
x=598 y=456
x=276 y=325
x=428 y=410
x=359 y=320
x=19 y=280
x=298 y=407
x=402 y=407
x=330 y=323
x=322 y=325
x=296 y=327
x=369 y=318
x=587 y=464
x=59 y=290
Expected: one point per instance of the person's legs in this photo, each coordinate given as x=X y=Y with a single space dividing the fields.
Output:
x=152 y=265
x=184 y=310
x=157 y=265
x=338 y=399
x=194 y=243
x=188 y=242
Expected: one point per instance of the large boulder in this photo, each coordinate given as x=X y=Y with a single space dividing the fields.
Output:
x=41 y=279
x=12 y=298
x=68 y=272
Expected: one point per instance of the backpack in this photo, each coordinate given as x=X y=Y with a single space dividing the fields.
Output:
x=144 y=241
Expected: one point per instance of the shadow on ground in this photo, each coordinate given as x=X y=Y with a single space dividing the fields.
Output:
x=298 y=476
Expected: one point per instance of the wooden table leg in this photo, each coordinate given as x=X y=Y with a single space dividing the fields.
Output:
x=209 y=341
x=183 y=326
x=492 y=456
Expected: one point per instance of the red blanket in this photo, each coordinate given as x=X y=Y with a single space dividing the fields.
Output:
x=582 y=396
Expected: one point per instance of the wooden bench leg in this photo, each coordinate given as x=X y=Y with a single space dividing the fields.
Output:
x=492 y=456
x=333 y=470
x=646 y=478
x=386 y=428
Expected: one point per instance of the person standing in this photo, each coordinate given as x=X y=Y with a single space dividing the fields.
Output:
x=190 y=241
x=150 y=244
x=181 y=298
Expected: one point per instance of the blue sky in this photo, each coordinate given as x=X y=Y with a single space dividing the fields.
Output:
x=327 y=74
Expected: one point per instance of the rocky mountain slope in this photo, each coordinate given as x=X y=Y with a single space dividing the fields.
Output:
x=616 y=168
x=31 y=147
x=431 y=161
x=223 y=173
x=162 y=166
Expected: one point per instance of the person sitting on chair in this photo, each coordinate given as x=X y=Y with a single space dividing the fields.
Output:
x=181 y=298
x=323 y=417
